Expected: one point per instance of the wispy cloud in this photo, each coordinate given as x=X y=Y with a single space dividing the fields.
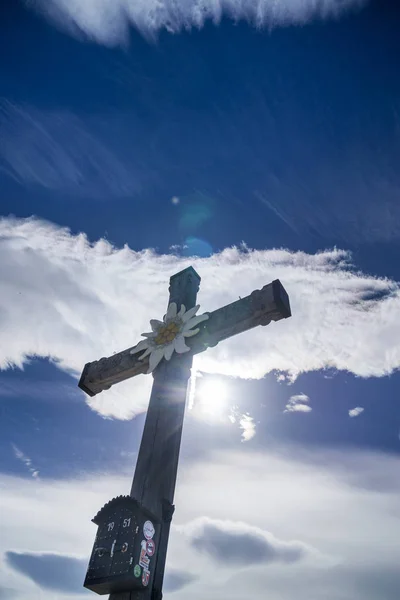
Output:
x=56 y=150
x=26 y=461
x=211 y=403
x=298 y=403
x=355 y=412
x=107 y=21
x=73 y=301
x=248 y=427
x=245 y=421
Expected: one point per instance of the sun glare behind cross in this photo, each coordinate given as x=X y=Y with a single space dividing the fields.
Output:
x=211 y=400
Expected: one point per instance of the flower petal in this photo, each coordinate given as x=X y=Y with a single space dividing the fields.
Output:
x=195 y=321
x=171 y=312
x=155 y=357
x=142 y=345
x=168 y=351
x=146 y=353
x=155 y=325
x=182 y=311
x=150 y=335
x=190 y=332
x=190 y=313
x=180 y=346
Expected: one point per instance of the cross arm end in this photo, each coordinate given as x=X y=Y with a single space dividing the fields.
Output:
x=281 y=299
x=101 y=374
x=271 y=303
x=83 y=379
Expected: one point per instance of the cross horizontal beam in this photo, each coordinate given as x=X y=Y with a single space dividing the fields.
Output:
x=271 y=303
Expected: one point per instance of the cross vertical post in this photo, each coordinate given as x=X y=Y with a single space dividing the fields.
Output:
x=157 y=464
x=130 y=549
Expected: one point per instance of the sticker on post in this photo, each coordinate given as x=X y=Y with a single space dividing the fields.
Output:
x=148 y=530
x=137 y=571
x=145 y=577
x=150 y=547
x=144 y=560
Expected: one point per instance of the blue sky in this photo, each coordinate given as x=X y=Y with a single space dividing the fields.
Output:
x=254 y=140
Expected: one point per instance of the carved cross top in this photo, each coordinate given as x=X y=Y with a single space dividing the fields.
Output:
x=181 y=331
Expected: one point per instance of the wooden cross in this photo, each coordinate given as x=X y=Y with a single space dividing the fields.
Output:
x=156 y=468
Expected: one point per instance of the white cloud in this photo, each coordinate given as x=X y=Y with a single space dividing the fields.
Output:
x=297 y=403
x=107 y=21
x=37 y=517
x=298 y=408
x=303 y=398
x=75 y=302
x=328 y=510
x=248 y=427
x=25 y=460
x=355 y=412
x=339 y=512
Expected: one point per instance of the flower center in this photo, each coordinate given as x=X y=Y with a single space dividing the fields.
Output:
x=166 y=334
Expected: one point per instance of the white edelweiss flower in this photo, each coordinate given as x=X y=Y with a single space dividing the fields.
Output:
x=169 y=334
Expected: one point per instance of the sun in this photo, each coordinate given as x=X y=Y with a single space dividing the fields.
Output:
x=211 y=399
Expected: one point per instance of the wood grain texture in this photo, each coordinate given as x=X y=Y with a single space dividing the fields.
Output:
x=157 y=464
x=271 y=303
x=156 y=469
